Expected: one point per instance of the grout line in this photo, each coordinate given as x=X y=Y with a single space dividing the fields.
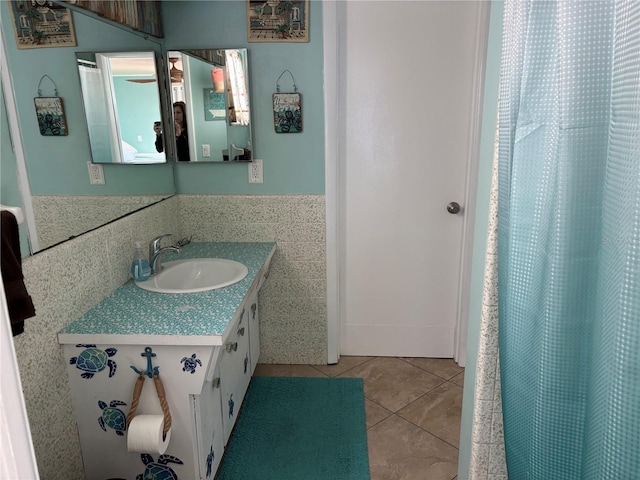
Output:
x=355 y=366
x=425 y=370
x=317 y=369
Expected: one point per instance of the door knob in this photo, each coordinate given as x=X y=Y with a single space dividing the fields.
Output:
x=453 y=208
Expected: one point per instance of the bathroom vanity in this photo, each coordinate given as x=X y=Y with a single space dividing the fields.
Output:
x=206 y=347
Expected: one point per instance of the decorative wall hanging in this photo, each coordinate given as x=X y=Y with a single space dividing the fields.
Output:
x=215 y=107
x=41 y=23
x=50 y=112
x=278 y=21
x=287 y=108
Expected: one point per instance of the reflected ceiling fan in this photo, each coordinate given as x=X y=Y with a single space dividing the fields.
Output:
x=175 y=73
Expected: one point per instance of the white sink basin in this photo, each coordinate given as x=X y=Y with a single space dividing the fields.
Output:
x=195 y=275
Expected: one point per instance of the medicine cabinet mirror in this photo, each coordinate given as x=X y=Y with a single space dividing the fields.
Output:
x=121 y=103
x=213 y=87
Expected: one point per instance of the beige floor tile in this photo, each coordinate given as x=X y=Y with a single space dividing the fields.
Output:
x=398 y=450
x=458 y=379
x=445 y=368
x=375 y=413
x=438 y=412
x=345 y=363
x=393 y=383
x=267 y=370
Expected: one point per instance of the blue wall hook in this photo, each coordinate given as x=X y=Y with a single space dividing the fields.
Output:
x=151 y=370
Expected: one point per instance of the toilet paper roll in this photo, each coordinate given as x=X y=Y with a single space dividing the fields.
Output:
x=145 y=434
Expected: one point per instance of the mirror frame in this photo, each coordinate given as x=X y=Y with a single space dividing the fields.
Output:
x=242 y=153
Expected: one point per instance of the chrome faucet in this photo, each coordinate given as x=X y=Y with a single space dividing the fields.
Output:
x=156 y=253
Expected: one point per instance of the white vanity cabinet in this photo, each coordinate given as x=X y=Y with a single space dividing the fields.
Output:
x=206 y=347
x=235 y=372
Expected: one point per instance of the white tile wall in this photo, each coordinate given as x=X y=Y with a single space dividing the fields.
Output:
x=58 y=217
x=66 y=280
x=293 y=301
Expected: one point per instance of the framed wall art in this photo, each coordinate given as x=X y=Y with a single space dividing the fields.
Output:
x=278 y=21
x=215 y=107
x=41 y=23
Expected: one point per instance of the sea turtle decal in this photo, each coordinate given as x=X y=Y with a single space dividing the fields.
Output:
x=190 y=363
x=112 y=416
x=158 y=470
x=210 y=458
x=93 y=360
x=231 y=403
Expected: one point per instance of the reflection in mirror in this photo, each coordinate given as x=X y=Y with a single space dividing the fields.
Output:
x=53 y=182
x=121 y=104
x=212 y=89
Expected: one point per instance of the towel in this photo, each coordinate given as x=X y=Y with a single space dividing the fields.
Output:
x=18 y=300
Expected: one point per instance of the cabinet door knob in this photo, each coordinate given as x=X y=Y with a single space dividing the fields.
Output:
x=231 y=347
x=241 y=332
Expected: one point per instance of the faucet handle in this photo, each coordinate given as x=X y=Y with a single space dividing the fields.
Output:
x=185 y=241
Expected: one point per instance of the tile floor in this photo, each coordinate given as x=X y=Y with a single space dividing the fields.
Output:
x=413 y=408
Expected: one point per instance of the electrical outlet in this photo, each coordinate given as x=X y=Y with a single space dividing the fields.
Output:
x=255 y=171
x=140 y=138
x=206 y=150
x=96 y=174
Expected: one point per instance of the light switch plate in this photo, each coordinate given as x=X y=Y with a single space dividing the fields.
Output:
x=206 y=150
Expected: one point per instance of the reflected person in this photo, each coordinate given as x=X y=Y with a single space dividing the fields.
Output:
x=182 y=140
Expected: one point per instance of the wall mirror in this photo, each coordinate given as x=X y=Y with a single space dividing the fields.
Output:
x=121 y=103
x=53 y=182
x=210 y=90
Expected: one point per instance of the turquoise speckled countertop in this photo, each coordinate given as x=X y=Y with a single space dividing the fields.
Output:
x=131 y=315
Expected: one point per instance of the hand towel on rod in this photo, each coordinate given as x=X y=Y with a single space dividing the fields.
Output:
x=17 y=212
x=19 y=301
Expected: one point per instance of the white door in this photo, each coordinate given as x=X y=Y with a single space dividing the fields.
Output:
x=407 y=83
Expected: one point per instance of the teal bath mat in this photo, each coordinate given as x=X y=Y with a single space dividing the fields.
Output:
x=294 y=428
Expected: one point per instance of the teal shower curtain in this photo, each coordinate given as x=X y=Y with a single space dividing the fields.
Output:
x=569 y=239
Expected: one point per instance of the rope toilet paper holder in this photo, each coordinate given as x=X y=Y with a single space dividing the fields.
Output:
x=154 y=373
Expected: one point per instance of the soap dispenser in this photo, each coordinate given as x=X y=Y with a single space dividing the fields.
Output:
x=140 y=268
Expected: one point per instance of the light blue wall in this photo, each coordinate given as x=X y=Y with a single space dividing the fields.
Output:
x=212 y=132
x=293 y=163
x=489 y=112
x=57 y=165
x=9 y=191
x=136 y=113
